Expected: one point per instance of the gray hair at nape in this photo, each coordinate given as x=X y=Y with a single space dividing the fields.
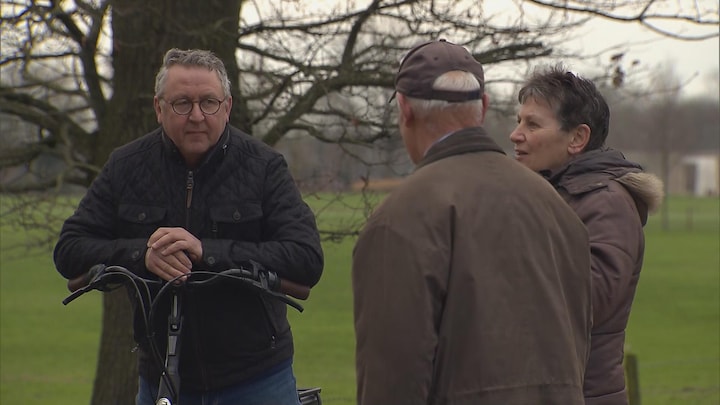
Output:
x=191 y=57
x=454 y=81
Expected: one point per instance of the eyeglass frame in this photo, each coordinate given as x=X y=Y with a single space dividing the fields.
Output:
x=192 y=105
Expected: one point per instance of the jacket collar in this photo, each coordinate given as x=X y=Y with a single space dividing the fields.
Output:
x=216 y=153
x=598 y=160
x=604 y=160
x=466 y=140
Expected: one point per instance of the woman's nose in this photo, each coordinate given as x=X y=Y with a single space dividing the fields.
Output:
x=516 y=135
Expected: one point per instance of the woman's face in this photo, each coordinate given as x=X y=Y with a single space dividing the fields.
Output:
x=540 y=143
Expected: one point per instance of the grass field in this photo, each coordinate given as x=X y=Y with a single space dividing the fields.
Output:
x=48 y=351
x=675 y=324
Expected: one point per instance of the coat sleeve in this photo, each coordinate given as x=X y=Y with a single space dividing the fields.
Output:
x=290 y=242
x=88 y=236
x=616 y=246
x=398 y=289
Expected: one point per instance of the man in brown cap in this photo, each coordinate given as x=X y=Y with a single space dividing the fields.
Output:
x=471 y=280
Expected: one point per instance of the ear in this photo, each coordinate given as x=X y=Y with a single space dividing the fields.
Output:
x=485 y=103
x=156 y=106
x=580 y=138
x=227 y=110
x=406 y=113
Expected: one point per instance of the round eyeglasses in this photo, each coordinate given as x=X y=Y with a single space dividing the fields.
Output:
x=208 y=106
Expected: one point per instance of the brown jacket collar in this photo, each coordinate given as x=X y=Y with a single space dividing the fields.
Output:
x=466 y=140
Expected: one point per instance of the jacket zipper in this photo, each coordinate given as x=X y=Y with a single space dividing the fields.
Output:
x=189 y=186
x=269 y=322
x=188 y=197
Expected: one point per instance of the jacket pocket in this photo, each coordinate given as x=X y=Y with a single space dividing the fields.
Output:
x=137 y=220
x=239 y=221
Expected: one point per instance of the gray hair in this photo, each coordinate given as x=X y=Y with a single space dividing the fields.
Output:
x=191 y=57
x=454 y=81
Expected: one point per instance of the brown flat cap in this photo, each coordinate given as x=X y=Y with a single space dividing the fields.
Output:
x=426 y=62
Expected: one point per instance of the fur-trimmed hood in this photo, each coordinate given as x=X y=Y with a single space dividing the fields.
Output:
x=644 y=186
x=592 y=170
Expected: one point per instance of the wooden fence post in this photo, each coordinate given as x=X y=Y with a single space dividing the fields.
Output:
x=632 y=378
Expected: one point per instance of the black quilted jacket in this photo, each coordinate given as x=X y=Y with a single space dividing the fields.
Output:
x=242 y=203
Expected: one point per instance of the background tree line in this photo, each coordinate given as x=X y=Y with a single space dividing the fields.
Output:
x=77 y=77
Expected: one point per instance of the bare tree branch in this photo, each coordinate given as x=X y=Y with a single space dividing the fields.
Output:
x=646 y=15
x=321 y=72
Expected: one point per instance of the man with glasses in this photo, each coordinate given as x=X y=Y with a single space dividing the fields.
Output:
x=198 y=194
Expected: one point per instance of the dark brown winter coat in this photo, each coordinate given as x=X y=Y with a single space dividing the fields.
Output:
x=612 y=196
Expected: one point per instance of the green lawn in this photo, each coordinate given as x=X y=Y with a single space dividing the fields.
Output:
x=674 y=327
x=48 y=351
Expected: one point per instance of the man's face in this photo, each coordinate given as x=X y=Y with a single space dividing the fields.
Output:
x=193 y=134
x=540 y=144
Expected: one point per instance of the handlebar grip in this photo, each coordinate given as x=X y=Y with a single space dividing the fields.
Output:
x=295 y=290
x=84 y=279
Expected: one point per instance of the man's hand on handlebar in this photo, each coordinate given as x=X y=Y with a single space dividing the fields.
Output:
x=170 y=240
x=171 y=252
x=167 y=267
x=107 y=278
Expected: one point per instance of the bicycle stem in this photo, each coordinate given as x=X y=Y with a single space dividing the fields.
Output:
x=169 y=389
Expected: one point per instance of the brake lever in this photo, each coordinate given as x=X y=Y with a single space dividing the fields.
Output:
x=284 y=298
x=86 y=278
x=76 y=293
x=97 y=278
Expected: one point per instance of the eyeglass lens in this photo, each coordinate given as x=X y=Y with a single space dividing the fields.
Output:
x=208 y=106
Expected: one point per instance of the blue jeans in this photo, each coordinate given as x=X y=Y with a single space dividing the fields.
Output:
x=276 y=389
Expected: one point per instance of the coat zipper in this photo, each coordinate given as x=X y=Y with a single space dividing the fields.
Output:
x=189 y=186
x=269 y=321
x=188 y=197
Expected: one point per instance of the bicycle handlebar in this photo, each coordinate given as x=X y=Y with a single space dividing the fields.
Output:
x=84 y=279
x=108 y=278
x=96 y=279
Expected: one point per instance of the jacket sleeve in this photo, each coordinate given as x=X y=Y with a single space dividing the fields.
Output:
x=88 y=236
x=290 y=243
x=616 y=246
x=398 y=291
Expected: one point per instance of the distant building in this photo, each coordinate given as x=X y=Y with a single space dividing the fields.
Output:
x=689 y=174
x=701 y=174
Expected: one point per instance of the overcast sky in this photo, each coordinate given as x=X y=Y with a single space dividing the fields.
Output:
x=694 y=62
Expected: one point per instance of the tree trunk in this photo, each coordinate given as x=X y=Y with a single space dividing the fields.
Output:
x=142 y=32
x=116 y=372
